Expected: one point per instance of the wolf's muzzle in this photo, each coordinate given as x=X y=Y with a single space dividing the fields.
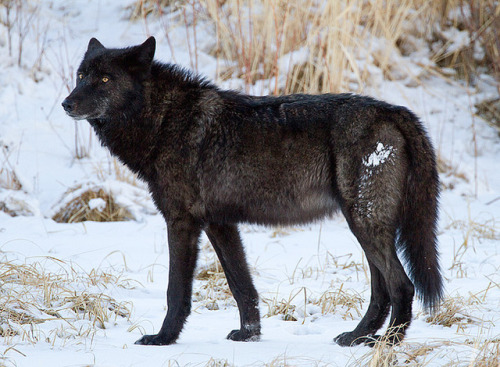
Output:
x=68 y=105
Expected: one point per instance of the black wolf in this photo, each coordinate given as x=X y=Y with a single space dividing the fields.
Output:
x=214 y=158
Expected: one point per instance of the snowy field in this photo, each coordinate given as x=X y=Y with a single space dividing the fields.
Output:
x=81 y=294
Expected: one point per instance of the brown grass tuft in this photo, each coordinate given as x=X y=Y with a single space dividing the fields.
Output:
x=489 y=110
x=96 y=307
x=285 y=308
x=210 y=270
x=91 y=205
x=454 y=312
x=344 y=301
x=141 y=9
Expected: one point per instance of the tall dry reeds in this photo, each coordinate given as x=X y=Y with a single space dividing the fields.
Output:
x=316 y=46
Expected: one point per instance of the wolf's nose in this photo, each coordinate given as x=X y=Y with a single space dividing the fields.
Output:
x=67 y=105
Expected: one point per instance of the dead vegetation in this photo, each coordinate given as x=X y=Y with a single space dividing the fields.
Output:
x=8 y=176
x=303 y=302
x=477 y=352
x=479 y=50
x=476 y=229
x=13 y=199
x=92 y=204
x=30 y=295
x=454 y=312
x=285 y=308
x=489 y=110
x=310 y=46
x=314 y=47
x=213 y=291
x=144 y=8
x=452 y=175
x=344 y=301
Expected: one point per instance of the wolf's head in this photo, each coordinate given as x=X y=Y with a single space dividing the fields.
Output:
x=110 y=82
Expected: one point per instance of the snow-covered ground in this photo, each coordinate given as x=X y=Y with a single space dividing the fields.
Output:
x=315 y=273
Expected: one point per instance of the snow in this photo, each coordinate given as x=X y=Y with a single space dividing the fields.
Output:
x=97 y=203
x=306 y=267
x=379 y=156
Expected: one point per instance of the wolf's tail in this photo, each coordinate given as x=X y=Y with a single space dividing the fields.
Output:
x=418 y=229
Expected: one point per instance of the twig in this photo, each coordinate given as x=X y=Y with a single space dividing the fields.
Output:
x=492 y=201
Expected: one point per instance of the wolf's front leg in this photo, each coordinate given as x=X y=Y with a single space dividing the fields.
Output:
x=183 y=250
x=225 y=239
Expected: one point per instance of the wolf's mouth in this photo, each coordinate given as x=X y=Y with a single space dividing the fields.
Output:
x=76 y=116
x=70 y=107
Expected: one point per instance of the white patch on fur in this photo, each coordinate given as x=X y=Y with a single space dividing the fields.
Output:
x=372 y=164
x=379 y=156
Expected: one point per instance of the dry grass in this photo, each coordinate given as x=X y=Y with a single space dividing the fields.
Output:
x=330 y=263
x=348 y=304
x=478 y=229
x=216 y=362
x=8 y=176
x=314 y=46
x=94 y=204
x=285 y=308
x=475 y=230
x=481 y=19
x=31 y=295
x=345 y=302
x=489 y=110
x=488 y=354
x=13 y=200
x=284 y=360
x=281 y=231
x=213 y=291
x=144 y=8
x=454 y=312
x=478 y=352
x=383 y=354
x=452 y=174
x=317 y=46
x=117 y=171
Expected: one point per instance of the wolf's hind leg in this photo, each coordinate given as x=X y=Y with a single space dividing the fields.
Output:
x=372 y=186
x=375 y=315
x=377 y=238
x=227 y=244
x=384 y=265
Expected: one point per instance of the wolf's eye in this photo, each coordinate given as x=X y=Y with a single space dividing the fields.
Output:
x=105 y=79
x=80 y=76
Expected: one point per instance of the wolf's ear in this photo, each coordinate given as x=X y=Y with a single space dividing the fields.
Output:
x=146 y=51
x=94 y=44
x=138 y=59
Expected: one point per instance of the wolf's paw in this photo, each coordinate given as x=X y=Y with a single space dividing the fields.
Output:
x=389 y=338
x=244 y=335
x=155 y=339
x=372 y=340
x=350 y=339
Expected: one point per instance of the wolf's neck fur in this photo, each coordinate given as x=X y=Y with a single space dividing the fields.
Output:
x=169 y=92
